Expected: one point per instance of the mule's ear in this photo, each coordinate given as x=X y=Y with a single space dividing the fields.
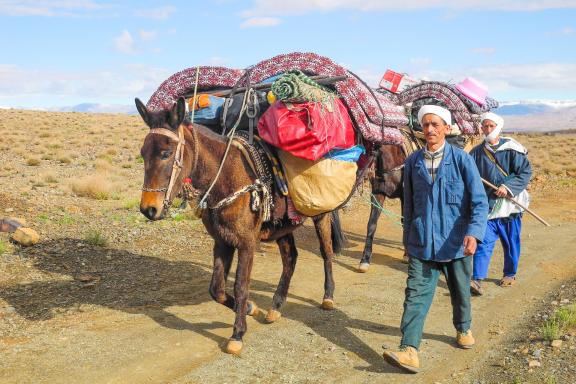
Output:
x=178 y=113
x=141 y=110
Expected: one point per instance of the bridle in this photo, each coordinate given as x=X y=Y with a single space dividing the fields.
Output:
x=176 y=165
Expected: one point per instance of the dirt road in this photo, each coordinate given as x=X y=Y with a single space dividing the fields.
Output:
x=138 y=311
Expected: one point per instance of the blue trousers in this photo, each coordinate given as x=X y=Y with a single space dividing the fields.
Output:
x=420 y=287
x=508 y=231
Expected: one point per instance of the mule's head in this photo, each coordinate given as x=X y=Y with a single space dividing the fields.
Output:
x=163 y=154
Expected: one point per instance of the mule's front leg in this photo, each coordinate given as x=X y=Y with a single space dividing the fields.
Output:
x=223 y=255
x=241 y=292
x=323 y=230
x=377 y=200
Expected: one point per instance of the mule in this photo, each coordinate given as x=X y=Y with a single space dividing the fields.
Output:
x=180 y=155
x=386 y=182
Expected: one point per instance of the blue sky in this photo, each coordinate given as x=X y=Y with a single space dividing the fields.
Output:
x=65 y=52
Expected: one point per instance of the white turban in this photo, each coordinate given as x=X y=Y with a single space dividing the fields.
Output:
x=443 y=113
x=499 y=125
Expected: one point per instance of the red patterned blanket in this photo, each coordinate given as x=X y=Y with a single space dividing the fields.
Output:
x=376 y=116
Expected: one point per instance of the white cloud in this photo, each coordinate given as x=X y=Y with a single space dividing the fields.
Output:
x=125 y=43
x=484 y=50
x=19 y=85
x=260 y=22
x=147 y=35
x=161 y=13
x=282 y=7
x=47 y=7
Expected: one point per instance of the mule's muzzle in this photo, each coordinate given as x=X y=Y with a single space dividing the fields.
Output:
x=151 y=206
x=150 y=213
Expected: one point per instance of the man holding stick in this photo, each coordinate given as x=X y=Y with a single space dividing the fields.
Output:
x=445 y=209
x=501 y=161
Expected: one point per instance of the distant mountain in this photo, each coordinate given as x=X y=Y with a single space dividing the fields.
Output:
x=538 y=115
x=525 y=115
x=98 y=108
x=530 y=107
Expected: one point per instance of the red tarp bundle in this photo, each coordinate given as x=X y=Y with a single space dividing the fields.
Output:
x=307 y=130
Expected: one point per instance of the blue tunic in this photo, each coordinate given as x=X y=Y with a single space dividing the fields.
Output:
x=511 y=156
x=437 y=215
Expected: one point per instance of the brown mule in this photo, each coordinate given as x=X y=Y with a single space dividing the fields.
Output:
x=174 y=151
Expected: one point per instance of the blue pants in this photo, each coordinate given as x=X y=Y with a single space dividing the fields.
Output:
x=508 y=231
x=420 y=287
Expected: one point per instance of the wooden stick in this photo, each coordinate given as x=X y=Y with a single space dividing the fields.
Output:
x=518 y=204
x=318 y=79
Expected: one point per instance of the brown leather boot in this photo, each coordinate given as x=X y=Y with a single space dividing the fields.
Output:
x=465 y=339
x=406 y=358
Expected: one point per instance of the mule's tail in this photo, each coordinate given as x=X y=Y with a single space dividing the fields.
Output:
x=337 y=234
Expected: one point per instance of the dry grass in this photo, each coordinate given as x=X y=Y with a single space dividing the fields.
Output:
x=97 y=155
x=95 y=186
x=32 y=161
x=550 y=154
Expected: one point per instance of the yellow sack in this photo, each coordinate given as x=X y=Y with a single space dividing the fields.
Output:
x=317 y=186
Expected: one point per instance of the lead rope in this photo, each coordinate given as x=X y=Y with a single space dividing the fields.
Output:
x=202 y=203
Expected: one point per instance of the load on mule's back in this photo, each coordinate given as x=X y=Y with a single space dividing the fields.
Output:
x=236 y=182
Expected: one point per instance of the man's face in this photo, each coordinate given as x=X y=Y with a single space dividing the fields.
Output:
x=488 y=126
x=434 y=129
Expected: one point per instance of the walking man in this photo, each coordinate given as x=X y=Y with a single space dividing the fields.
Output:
x=445 y=210
x=503 y=162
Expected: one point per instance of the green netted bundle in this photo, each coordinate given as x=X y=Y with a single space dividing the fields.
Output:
x=294 y=86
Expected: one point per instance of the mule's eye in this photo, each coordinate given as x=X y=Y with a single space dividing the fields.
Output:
x=165 y=154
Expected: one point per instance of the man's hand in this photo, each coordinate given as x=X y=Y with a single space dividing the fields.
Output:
x=469 y=245
x=501 y=191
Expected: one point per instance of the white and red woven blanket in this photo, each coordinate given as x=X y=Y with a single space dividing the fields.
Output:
x=376 y=116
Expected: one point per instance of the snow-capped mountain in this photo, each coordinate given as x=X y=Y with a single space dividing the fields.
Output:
x=538 y=115
x=527 y=107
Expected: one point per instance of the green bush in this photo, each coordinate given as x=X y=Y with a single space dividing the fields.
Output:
x=550 y=330
x=96 y=238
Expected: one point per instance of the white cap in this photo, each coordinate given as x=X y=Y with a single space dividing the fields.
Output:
x=443 y=113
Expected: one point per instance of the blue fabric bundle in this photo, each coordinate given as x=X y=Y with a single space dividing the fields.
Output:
x=350 y=154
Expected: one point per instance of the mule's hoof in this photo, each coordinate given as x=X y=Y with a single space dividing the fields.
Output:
x=252 y=309
x=363 y=267
x=234 y=347
x=328 y=304
x=272 y=316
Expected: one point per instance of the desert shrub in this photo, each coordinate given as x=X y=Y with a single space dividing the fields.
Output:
x=566 y=316
x=96 y=238
x=32 y=161
x=550 y=330
x=103 y=165
x=49 y=178
x=94 y=186
x=64 y=159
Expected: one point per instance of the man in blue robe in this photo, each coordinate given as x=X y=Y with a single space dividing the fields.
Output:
x=445 y=213
x=503 y=162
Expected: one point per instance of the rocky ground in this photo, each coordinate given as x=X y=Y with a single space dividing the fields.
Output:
x=525 y=356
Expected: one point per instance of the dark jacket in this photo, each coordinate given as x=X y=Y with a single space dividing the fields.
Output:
x=438 y=215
